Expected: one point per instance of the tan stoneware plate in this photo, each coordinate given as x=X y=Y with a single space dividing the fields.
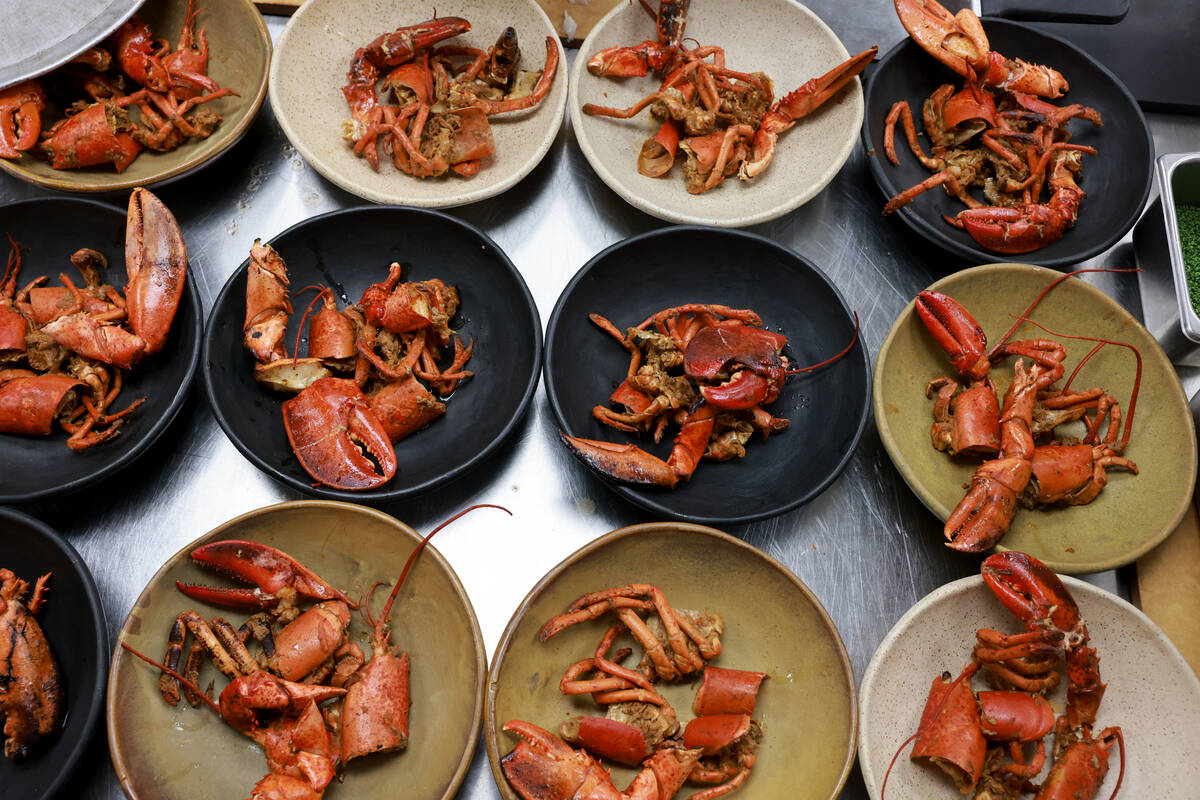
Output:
x=164 y=753
x=773 y=624
x=239 y=52
x=1153 y=695
x=1133 y=513
x=309 y=71
x=779 y=37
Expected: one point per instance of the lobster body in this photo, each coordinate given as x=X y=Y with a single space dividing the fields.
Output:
x=32 y=697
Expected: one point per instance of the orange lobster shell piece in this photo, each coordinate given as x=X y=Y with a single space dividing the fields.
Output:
x=326 y=423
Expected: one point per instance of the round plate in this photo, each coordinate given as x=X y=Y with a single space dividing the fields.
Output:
x=808 y=707
x=1153 y=695
x=49 y=230
x=162 y=753
x=1117 y=179
x=309 y=71
x=349 y=250
x=73 y=621
x=637 y=277
x=35 y=42
x=793 y=48
x=239 y=53
x=1133 y=513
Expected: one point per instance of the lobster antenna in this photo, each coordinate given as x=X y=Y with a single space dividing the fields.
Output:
x=387 y=609
x=174 y=675
x=307 y=310
x=845 y=350
x=1137 y=378
x=1121 y=774
x=14 y=260
x=1038 y=299
x=1079 y=366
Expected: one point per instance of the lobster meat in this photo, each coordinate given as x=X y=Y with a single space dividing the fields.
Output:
x=342 y=429
x=76 y=341
x=32 y=694
x=957 y=722
x=1019 y=471
x=730 y=119
x=1023 y=146
x=439 y=123
x=731 y=367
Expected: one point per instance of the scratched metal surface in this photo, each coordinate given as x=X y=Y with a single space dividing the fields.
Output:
x=867 y=547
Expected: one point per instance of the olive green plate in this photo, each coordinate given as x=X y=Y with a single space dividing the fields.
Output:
x=1152 y=695
x=239 y=53
x=1133 y=513
x=184 y=753
x=773 y=623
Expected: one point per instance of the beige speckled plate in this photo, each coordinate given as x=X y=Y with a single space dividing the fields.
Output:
x=1152 y=693
x=794 y=46
x=309 y=70
x=239 y=54
x=773 y=623
x=164 y=753
x=1133 y=513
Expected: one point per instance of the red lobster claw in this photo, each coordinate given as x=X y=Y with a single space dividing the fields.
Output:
x=1032 y=592
x=156 y=262
x=956 y=332
x=625 y=462
x=330 y=425
x=268 y=568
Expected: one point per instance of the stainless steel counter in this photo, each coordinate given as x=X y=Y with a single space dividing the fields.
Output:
x=867 y=546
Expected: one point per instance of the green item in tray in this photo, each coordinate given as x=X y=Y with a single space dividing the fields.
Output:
x=1189 y=237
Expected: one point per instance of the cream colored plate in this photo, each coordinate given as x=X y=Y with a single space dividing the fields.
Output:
x=779 y=37
x=309 y=70
x=1153 y=696
x=773 y=623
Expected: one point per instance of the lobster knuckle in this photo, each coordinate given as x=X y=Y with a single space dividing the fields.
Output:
x=307 y=641
x=96 y=135
x=727 y=691
x=744 y=390
x=951 y=738
x=111 y=344
x=607 y=738
x=329 y=425
x=715 y=732
x=375 y=712
x=156 y=262
x=405 y=407
x=1014 y=716
x=29 y=405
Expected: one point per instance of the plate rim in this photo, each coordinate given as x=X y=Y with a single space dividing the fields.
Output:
x=928 y=232
x=927 y=499
x=647 y=500
x=181 y=393
x=184 y=168
x=451 y=200
x=95 y=705
x=491 y=729
x=780 y=209
x=974 y=583
x=110 y=704
x=384 y=494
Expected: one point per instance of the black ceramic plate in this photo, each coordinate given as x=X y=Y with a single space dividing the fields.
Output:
x=349 y=250
x=637 y=277
x=1116 y=179
x=73 y=621
x=49 y=230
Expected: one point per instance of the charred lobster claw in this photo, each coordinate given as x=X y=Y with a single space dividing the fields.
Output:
x=271 y=570
x=544 y=767
x=715 y=348
x=337 y=438
x=20 y=118
x=959 y=42
x=956 y=332
x=1032 y=592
